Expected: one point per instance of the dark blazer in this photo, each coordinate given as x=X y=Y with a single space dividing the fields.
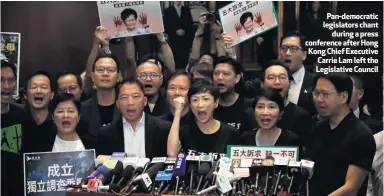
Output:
x=172 y=22
x=161 y=107
x=111 y=137
x=90 y=114
x=286 y=138
x=375 y=125
x=306 y=99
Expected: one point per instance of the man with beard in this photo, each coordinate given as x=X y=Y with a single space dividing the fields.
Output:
x=136 y=133
x=39 y=125
x=150 y=74
x=232 y=105
x=341 y=146
x=294 y=118
x=177 y=86
x=11 y=133
x=100 y=109
x=292 y=53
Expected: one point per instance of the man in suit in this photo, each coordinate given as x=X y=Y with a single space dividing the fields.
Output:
x=179 y=27
x=358 y=93
x=100 y=110
x=294 y=118
x=136 y=133
x=292 y=53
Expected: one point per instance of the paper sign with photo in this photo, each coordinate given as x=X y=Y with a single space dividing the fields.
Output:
x=10 y=52
x=130 y=18
x=246 y=19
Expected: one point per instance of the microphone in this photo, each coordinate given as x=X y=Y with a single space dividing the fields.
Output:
x=98 y=178
x=293 y=169
x=281 y=164
x=180 y=165
x=208 y=178
x=192 y=168
x=127 y=173
x=203 y=171
x=164 y=177
x=308 y=166
x=117 y=171
x=268 y=164
x=214 y=187
x=145 y=180
x=137 y=172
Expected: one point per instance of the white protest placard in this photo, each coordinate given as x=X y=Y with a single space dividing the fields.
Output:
x=130 y=18
x=246 y=19
x=10 y=52
x=260 y=152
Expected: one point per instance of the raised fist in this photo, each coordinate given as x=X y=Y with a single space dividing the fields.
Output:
x=179 y=103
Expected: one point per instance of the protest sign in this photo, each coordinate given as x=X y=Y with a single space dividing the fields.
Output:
x=10 y=52
x=261 y=152
x=246 y=19
x=130 y=18
x=48 y=173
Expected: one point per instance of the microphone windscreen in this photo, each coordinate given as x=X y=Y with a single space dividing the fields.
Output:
x=128 y=171
x=152 y=171
x=139 y=170
x=103 y=174
x=192 y=167
x=209 y=175
x=204 y=168
x=118 y=168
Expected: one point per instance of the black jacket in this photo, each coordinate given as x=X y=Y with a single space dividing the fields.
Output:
x=90 y=114
x=306 y=98
x=161 y=107
x=111 y=137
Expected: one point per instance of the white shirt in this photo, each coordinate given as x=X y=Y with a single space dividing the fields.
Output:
x=136 y=31
x=151 y=106
x=178 y=10
x=134 y=141
x=295 y=85
x=357 y=112
x=64 y=146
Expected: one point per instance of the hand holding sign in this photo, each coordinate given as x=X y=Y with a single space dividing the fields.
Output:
x=101 y=34
x=143 y=19
x=238 y=27
x=228 y=40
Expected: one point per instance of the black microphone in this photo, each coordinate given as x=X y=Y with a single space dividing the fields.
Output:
x=281 y=164
x=192 y=168
x=268 y=164
x=116 y=172
x=144 y=181
x=208 y=178
x=203 y=171
x=294 y=168
x=137 y=172
x=127 y=174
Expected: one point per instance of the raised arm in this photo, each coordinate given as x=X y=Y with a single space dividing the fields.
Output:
x=198 y=40
x=169 y=60
x=129 y=68
x=173 y=144
x=100 y=46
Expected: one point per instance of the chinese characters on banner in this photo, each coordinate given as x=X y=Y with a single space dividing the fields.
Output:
x=50 y=172
x=130 y=18
x=10 y=51
x=258 y=152
x=246 y=19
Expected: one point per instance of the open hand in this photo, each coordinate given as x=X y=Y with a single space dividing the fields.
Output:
x=143 y=19
x=118 y=22
x=258 y=18
x=238 y=27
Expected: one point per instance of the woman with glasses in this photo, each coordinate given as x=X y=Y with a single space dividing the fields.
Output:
x=71 y=135
x=204 y=134
x=268 y=107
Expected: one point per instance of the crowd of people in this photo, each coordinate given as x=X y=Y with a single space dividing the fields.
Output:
x=158 y=110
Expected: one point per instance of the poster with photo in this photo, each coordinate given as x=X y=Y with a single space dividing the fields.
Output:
x=10 y=52
x=246 y=19
x=130 y=18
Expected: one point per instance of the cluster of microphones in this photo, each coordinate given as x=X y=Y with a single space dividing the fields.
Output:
x=197 y=175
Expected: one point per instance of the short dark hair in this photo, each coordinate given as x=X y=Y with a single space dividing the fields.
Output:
x=179 y=73
x=43 y=73
x=236 y=66
x=341 y=81
x=5 y=64
x=62 y=97
x=130 y=81
x=203 y=69
x=202 y=85
x=127 y=12
x=357 y=80
x=78 y=78
x=214 y=56
x=275 y=62
x=157 y=59
x=107 y=56
x=244 y=17
x=270 y=94
x=295 y=34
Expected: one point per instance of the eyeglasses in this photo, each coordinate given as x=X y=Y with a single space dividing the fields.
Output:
x=9 y=80
x=273 y=77
x=322 y=94
x=102 y=69
x=174 y=89
x=152 y=76
x=292 y=49
x=71 y=89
